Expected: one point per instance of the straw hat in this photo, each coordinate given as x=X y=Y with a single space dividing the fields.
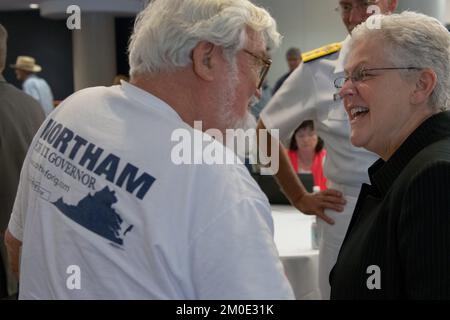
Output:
x=26 y=63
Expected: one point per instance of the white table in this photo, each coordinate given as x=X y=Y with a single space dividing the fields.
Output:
x=293 y=240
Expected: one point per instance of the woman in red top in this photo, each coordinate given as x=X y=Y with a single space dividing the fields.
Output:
x=307 y=154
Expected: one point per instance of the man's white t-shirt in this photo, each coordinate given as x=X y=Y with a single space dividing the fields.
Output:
x=104 y=213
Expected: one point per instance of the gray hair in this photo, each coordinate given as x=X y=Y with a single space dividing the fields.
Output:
x=3 y=38
x=166 y=31
x=413 y=39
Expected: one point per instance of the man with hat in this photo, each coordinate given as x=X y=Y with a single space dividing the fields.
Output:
x=26 y=69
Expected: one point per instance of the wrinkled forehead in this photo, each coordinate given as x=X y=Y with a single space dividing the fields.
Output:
x=360 y=2
x=384 y=6
x=364 y=52
x=255 y=41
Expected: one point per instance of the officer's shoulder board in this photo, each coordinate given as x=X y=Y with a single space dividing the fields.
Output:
x=321 y=52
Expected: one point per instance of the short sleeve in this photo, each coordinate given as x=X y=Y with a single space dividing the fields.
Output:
x=424 y=234
x=235 y=256
x=16 y=222
x=22 y=201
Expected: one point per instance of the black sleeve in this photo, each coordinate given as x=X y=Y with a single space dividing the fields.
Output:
x=424 y=234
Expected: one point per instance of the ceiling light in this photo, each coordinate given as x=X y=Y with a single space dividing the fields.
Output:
x=34 y=6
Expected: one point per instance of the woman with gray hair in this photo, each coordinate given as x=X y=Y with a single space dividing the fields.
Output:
x=395 y=93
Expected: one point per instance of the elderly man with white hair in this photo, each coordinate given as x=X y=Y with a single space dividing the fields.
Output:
x=396 y=93
x=103 y=211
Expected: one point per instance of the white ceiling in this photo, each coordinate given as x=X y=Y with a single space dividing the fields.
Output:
x=8 y=5
x=17 y=4
x=57 y=8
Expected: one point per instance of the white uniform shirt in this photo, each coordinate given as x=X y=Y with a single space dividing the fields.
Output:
x=308 y=94
x=39 y=89
x=99 y=197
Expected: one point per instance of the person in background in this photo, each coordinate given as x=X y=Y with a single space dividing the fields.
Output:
x=396 y=91
x=26 y=69
x=20 y=118
x=309 y=94
x=121 y=208
x=293 y=59
x=307 y=153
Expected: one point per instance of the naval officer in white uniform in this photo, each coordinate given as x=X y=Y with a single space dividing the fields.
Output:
x=309 y=94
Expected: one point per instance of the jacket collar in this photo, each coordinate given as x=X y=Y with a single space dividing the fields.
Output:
x=383 y=174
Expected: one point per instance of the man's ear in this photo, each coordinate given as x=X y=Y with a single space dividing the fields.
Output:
x=425 y=85
x=203 y=60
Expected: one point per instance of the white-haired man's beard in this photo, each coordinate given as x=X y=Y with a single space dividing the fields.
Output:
x=229 y=118
x=248 y=121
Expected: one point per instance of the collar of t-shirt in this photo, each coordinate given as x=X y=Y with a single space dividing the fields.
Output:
x=148 y=100
x=342 y=54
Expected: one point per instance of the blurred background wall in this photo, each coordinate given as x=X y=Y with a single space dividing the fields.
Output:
x=76 y=59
